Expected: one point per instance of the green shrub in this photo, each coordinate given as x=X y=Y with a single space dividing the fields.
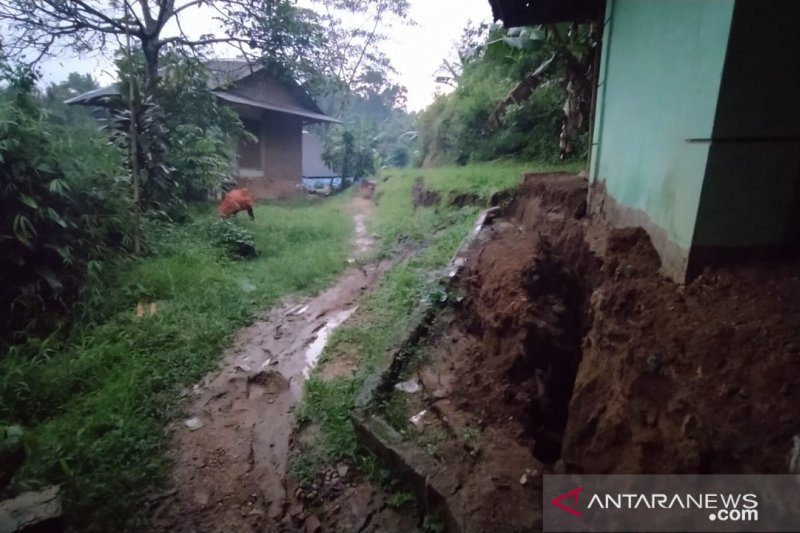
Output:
x=60 y=215
x=233 y=238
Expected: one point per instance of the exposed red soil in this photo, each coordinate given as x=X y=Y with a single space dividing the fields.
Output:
x=571 y=352
x=703 y=379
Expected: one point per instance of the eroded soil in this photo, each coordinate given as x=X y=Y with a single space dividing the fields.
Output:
x=230 y=452
x=570 y=352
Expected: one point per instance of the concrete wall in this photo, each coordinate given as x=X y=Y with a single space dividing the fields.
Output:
x=750 y=194
x=660 y=77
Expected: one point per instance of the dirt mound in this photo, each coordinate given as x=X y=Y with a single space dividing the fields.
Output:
x=528 y=306
x=571 y=352
x=705 y=378
x=367 y=189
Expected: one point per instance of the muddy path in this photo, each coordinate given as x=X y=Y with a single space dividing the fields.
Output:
x=230 y=452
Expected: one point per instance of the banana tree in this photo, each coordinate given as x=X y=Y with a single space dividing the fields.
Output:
x=571 y=52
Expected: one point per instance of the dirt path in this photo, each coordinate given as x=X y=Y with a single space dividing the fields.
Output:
x=230 y=453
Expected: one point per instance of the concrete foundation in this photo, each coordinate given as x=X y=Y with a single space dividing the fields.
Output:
x=602 y=206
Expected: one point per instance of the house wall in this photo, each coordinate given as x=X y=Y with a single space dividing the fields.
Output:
x=313 y=165
x=661 y=68
x=281 y=155
x=750 y=194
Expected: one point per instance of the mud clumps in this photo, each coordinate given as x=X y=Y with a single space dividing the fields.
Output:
x=701 y=379
x=530 y=309
x=603 y=363
x=570 y=352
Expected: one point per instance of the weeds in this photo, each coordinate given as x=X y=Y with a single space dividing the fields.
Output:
x=233 y=238
x=95 y=405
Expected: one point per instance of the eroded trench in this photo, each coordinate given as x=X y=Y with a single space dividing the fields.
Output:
x=567 y=351
x=552 y=347
x=499 y=362
x=528 y=290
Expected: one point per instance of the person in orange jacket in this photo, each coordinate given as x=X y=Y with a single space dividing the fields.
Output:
x=235 y=201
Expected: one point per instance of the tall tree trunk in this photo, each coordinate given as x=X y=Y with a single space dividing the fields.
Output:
x=151 y=65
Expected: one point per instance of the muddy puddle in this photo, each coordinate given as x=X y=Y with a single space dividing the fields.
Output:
x=230 y=451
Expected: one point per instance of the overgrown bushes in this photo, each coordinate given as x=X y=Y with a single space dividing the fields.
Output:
x=60 y=216
x=457 y=128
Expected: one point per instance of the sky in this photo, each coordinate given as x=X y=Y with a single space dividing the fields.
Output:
x=416 y=51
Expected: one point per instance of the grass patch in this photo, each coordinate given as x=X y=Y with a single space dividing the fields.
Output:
x=435 y=232
x=396 y=218
x=95 y=403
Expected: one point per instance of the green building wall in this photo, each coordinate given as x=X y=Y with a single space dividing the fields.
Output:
x=662 y=64
x=750 y=193
x=697 y=129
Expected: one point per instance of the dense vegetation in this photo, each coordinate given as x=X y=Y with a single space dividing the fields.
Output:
x=499 y=69
x=61 y=217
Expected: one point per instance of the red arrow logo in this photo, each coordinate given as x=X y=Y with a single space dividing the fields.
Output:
x=571 y=494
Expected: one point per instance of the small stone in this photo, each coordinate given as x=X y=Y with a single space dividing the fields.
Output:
x=417 y=418
x=411 y=386
x=523 y=480
x=296 y=509
x=193 y=423
x=653 y=363
x=312 y=524
x=342 y=470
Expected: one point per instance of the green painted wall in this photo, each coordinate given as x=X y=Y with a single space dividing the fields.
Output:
x=750 y=193
x=662 y=65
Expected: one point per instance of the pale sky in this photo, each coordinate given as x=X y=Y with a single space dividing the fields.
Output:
x=415 y=51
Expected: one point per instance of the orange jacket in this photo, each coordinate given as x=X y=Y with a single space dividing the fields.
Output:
x=235 y=201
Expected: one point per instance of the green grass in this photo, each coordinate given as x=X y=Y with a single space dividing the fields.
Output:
x=95 y=403
x=396 y=217
x=435 y=233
